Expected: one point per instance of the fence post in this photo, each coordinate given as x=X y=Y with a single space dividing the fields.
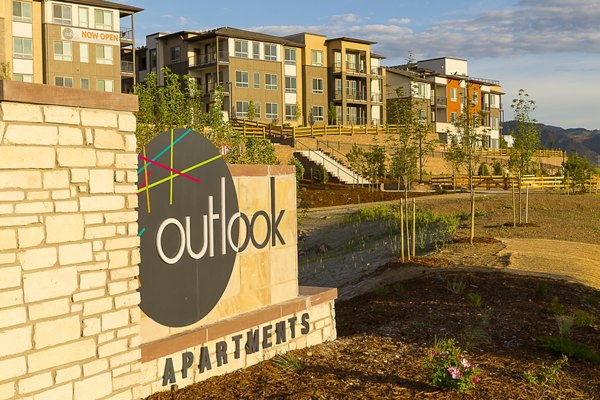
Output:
x=325 y=130
x=339 y=130
x=244 y=127
x=293 y=136
x=366 y=129
x=312 y=132
x=264 y=131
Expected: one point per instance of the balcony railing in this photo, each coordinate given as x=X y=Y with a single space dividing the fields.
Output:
x=126 y=34
x=352 y=68
x=127 y=67
x=376 y=71
x=209 y=88
x=356 y=96
x=200 y=59
x=441 y=101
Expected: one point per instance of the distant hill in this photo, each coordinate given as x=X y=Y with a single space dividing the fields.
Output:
x=574 y=140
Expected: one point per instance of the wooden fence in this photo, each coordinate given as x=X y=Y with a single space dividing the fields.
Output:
x=501 y=182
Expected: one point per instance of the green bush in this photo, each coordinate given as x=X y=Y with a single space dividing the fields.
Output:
x=320 y=175
x=568 y=347
x=447 y=367
x=299 y=168
x=484 y=170
x=546 y=375
x=541 y=290
x=474 y=299
x=497 y=168
x=583 y=319
x=555 y=307
x=287 y=362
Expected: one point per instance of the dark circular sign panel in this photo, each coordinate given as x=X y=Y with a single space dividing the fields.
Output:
x=187 y=208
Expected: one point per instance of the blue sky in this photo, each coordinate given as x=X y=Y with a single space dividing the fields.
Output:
x=550 y=48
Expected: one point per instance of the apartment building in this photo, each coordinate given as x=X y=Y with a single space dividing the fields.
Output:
x=451 y=91
x=412 y=86
x=86 y=44
x=289 y=80
x=356 y=81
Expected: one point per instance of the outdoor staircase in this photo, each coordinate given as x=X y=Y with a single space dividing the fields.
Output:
x=337 y=170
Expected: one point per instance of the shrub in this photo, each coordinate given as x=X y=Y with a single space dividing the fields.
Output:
x=456 y=286
x=583 y=319
x=546 y=375
x=447 y=367
x=299 y=168
x=320 y=175
x=474 y=299
x=541 y=290
x=497 y=168
x=565 y=325
x=288 y=362
x=484 y=170
x=568 y=347
x=555 y=307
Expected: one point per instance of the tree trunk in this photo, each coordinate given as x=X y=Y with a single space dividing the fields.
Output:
x=407 y=222
x=472 y=209
x=401 y=231
x=520 y=201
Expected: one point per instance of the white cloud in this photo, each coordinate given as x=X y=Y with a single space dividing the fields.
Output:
x=399 y=21
x=183 y=21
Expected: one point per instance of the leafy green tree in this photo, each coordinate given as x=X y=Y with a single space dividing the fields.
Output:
x=526 y=140
x=251 y=114
x=577 y=171
x=298 y=113
x=332 y=113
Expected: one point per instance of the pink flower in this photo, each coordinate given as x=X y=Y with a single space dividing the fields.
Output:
x=465 y=363
x=454 y=372
x=476 y=379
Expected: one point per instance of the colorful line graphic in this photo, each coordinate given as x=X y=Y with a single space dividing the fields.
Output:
x=182 y=173
x=146 y=173
x=156 y=157
x=171 y=182
x=191 y=178
x=141 y=232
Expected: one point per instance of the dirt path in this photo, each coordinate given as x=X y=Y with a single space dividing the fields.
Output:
x=577 y=261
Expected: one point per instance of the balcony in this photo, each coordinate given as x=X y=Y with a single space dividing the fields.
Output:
x=377 y=97
x=126 y=35
x=202 y=59
x=210 y=88
x=356 y=96
x=376 y=72
x=353 y=68
x=127 y=68
x=441 y=101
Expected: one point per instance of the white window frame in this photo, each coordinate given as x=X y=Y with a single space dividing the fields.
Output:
x=290 y=56
x=239 y=109
x=65 y=79
x=241 y=79
x=84 y=52
x=270 y=107
x=81 y=80
x=256 y=80
x=269 y=85
x=66 y=50
x=243 y=48
x=269 y=48
x=107 y=26
x=256 y=50
x=85 y=21
x=318 y=113
x=317 y=85
x=101 y=54
x=453 y=94
x=62 y=20
x=25 y=9
x=290 y=112
x=24 y=42
x=290 y=84
x=316 y=58
x=104 y=82
x=22 y=78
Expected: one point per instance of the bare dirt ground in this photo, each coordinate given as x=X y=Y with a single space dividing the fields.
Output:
x=389 y=313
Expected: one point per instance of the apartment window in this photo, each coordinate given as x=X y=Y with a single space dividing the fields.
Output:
x=241 y=48
x=493 y=100
x=453 y=117
x=175 y=54
x=83 y=17
x=21 y=11
x=271 y=81
x=318 y=113
x=104 y=54
x=241 y=79
x=337 y=56
x=63 y=81
x=61 y=14
x=422 y=90
x=317 y=85
x=290 y=112
x=103 y=19
x=104 y=85
x=316 y=58
x=256 y=50
x=256 y=80
x=271 y=52
x=475 y=98
x=143 y=63
x=22 y=48
x=495 y=123
x=271 y=111
x=290 y=56
x=422 y=116
x=290 y=84
x=84 y=83
x=153 y=59
x=63 y=50
x=241 y=109
x=22 y=78
x=84 y=53
x=453 y=94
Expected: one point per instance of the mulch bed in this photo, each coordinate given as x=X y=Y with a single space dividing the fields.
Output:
x=384 y=338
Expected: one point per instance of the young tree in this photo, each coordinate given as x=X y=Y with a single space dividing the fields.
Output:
x=469 y=137
x=577 y=171
x=251 y=114
x=526 y=140
x=332 y=113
